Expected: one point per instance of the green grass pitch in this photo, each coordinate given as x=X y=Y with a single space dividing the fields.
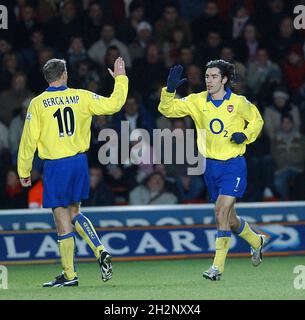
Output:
x=169 y=279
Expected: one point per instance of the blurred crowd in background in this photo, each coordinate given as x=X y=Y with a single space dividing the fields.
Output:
x=257 y=36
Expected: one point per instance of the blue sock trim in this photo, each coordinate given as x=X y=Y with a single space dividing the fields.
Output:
x=223 y=233
x=66 y=236
x=83 y=221
x=242 y=226
x=76 y=218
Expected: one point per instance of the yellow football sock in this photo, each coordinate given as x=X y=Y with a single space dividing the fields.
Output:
x=223 y=241
x=66 y=249
x=248 y=234
x=85 y=229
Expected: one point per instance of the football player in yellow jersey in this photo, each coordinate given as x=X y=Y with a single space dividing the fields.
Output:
x=58 y=124
x=230 y=122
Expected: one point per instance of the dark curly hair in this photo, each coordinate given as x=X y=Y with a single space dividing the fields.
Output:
x=226 y=69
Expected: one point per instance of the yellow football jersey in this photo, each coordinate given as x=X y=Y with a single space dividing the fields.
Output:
x=58 y=122
x=235 y=114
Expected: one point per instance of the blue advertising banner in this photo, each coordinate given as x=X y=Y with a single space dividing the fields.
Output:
x=148 y=243
x=161 y=215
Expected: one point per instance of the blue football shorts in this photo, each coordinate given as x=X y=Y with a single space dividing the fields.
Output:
x=226 y=177
x=65 y=181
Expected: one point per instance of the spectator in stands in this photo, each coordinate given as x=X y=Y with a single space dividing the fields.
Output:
x=46 y=11
x=30 y=53
x=271 y=17
x=186 y=56
x=134 y=114
x=273 y=81
x=209 y=48
x=171 y=48
x=170 y=181
x=76 y=52
x=274 y=113
x=11 y=65
x=151 y=103
x=240 y=86
x=15 y=130
x=84 y=74
x=241 y=17
x=13 y=196
x=138 y=46
x=99 y=123
x=190 y=186
x=100 y=194
x=93 y=23
x=170 y=21
x=208 y=20
x=152 y=192
x=141 y=157
x=11 y=99
x=98 y=50
x=38 y=82
x=151 y=64
x=227 y=53
x=259 y=70
x=286 y=37
x=112 y=53
x=64 y=26
x=35 y=192
x=5 y=47
x=287 y=150
x=25 y=27
x=260 y=170
x=127 y=31
x=247 y=45
x=294 y=68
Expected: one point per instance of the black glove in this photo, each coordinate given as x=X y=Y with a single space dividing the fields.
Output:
x=173 y=80
x=238 y=137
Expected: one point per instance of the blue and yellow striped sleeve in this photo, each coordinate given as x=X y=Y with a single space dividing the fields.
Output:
x=174 y=108
x=250 y=113
x=28 y=142
x=99 y=105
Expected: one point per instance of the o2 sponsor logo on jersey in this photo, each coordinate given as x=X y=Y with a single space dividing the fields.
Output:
x=217 y=127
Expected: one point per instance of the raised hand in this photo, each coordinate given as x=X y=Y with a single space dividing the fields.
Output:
x=173 y=80
x=119 y=68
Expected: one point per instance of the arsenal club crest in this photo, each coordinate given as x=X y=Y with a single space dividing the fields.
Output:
x=230 y=108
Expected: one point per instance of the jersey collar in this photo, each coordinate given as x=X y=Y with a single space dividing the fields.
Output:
x=60 y=88
x=217 y=103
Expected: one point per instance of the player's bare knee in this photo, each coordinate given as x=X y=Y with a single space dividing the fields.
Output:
x=74 y=210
